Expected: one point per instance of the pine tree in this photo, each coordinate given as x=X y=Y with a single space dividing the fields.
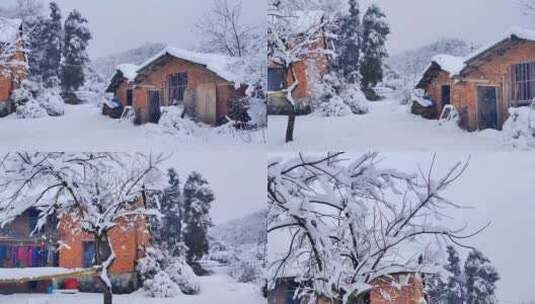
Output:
x=375 y=30
x=36 y=29
x=77 y=36
x=197 y=203
x=51 y=39
x=435 y=289
x=454 y=287
x=171 y=205
x=348 y=44
x=481 y=278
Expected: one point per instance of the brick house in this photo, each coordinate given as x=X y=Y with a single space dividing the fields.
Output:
x=485 y=84
x=13 y=67
x=314 y=65
x=205 y=84
x=62 y=244
x=398 y=288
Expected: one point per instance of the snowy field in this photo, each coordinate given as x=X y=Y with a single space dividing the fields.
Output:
x=213 y=290
x=388 y=127
x=83 y=128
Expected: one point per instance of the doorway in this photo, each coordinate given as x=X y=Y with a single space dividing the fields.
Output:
x=154 y=106
x=446 y=95
x=487 y=101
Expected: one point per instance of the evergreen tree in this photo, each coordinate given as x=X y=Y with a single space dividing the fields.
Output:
x=435 y=289
x=348 y=44
x=171 y=224
x=454 y=287
x=197 y=203
x=375 y=30
x=51 y=45
x=77 y=36
x=481 y=278
x=36 y=29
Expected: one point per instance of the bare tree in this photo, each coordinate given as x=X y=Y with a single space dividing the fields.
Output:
x=349 y=220
x=89 y=192
x=223 y=30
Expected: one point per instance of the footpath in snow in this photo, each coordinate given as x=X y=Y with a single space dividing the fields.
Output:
x=388 y=127
x=83 y=128
x=216 y=288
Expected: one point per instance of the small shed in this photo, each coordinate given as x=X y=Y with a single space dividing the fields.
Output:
x=13 y=60
x=204 y=84
x=485 y=84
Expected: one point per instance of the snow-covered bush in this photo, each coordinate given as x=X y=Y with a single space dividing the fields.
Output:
x=31 y=109
x=173 y=122
x=158 y=267
x=32 y=100
x=182 y=275
x=161 y=286
x=355 y=99
x=519 y=129
x=51 y=101
x=333 y=107
x=333 y=97
x=246 y=271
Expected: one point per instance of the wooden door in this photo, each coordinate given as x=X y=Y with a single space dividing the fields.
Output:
x=446 y=95
x=154 y=106
x=487 y=100
x=206 y=98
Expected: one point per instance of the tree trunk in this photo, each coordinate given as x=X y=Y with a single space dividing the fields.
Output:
x=107 y=293
x=291 y=126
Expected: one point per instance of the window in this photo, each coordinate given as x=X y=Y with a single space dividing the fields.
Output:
x=275 y=79
x=176 y=87
x=89 y=253
x=523 y=82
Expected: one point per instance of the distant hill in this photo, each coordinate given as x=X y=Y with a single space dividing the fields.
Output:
x=250 y=230
x=410 y=64
x=105 y=66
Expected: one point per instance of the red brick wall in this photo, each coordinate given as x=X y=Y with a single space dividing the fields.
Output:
x=384 y=293
x=10 y=76
x=126 y=241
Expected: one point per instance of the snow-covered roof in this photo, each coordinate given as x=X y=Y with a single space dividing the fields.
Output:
x=225 y=67
x=9 y=29
x=304 y=20
x=516 y=31
x=450 y=64
x=129 y=71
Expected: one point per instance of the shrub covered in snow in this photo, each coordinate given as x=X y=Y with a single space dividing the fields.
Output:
x=173 y=273
x=32 y=100
x=31 y=109
x=182 y=274
x=174 y=122
x=519 y=129
x=257 y=112
x=333 y=97
x=161 y=286
x=246 y=271
x=51 y=101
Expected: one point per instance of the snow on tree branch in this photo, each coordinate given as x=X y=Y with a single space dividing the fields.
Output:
x=350 y=221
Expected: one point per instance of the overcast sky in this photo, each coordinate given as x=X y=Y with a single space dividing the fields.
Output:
x=496 y=188
x=237 y=178
x=499 y=188
x=120 y=25
x=418 y=22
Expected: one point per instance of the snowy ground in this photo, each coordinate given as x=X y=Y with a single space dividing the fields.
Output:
x=83 y=128
x=214 y=289
x=388 y=127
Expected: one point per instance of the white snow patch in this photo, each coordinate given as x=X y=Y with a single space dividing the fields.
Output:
x=129 y=71
x=450 y=64
x=34 y=272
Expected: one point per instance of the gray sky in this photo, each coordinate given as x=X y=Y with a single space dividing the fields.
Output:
x=120 y=25
x=238 y=180
x=418 y=22
x=497 y=187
